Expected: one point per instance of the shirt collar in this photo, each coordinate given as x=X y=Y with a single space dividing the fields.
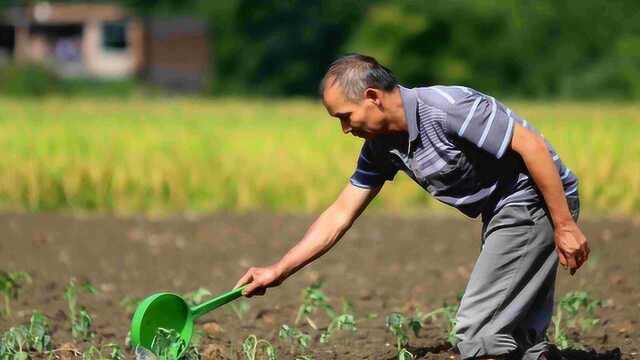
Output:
x=410 y=105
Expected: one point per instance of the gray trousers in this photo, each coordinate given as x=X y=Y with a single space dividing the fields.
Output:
x=508 y=303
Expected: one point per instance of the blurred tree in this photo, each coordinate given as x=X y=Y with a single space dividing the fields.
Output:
x=534 y=48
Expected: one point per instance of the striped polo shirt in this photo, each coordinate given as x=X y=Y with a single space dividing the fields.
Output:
x=457 y=149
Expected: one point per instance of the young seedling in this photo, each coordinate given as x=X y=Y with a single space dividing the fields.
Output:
x=294 y=337
x=10 y=285
x=15 y=344
x=81 y=327
x=112 y=351
x=398 y=324
x=240 y=308
x=344 y=321
x=251 y=345
x=196 y=297
x=80 y=320
x=39 y=334
x=313 y=299
x=574 y=308
x=446 y=311
x=167 y=344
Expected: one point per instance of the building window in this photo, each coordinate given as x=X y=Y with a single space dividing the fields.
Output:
x=114 y=36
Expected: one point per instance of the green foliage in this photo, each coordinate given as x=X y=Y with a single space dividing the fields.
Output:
x=80 y=320
x=240 y=308
x=39 y=332
x=448 y=311
x=405 y=354
x=312 y=299
x=108 y=351
x=197 y=297
x=15 y=344
x=295 y=337
x=575 y=309
x=167 y=344
x=10 y=285
x=283 y=47
x=27 y=80
x=134 y=157
x=81 y=326
x=344 y=321
x=340 y=322
x=397 y=324
x=252 y=347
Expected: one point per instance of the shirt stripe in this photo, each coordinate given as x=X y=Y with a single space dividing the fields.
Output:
x=445 y=95
x=505 y=141
x=489 y=122
x=463 y=89
x=469 y=116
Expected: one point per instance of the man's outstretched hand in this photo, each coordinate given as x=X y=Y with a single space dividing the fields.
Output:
x=572 y=246
x=259 y=279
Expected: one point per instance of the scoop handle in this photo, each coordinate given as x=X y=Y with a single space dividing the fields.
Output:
x=216 y=302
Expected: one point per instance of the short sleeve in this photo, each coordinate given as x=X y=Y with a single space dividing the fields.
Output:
x=372 y=168
x=482 y=121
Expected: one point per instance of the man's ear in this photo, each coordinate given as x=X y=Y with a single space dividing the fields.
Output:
x=374 y=95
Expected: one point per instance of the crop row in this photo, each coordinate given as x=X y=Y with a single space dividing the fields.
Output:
x=574 y=311
x=159 y=156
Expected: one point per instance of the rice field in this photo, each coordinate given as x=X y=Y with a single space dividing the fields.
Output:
x=161 y=156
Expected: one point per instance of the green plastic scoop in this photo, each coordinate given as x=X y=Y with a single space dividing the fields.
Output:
x=171 y=312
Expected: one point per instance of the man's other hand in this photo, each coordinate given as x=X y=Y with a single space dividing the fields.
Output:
x=259 y=279
x=572 y=246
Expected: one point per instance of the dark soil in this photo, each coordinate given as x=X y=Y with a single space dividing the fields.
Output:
x=382 y=265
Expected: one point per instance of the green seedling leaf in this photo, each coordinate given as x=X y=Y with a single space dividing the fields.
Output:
x=295 y=337
x=15 y=342
x=196 y=297
x=251 y=345
x=576 y=308
x=80 y=321
x=240 y=308
x=81 y=328
x=396 y=323
x=10 y=285
x=167 y=344
x=313 y=299
x=39 y=333
x=405 y=354
x=342 y=322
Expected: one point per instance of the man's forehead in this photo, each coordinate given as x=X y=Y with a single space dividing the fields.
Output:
x=333 y=96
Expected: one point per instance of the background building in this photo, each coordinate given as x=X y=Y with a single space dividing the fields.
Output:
x=106 y=41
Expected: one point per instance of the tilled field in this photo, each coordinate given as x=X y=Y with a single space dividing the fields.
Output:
x=384 y=264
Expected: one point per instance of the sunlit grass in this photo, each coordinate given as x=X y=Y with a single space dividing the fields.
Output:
x=161 y=156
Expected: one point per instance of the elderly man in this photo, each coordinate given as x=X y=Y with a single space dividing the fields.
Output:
x=474 y=153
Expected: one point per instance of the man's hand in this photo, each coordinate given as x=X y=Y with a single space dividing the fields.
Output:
x=571 y=245
x=259 y=279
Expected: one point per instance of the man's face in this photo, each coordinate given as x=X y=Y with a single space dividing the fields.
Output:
x=363 y=119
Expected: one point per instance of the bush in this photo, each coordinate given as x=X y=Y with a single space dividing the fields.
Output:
x=27 y=80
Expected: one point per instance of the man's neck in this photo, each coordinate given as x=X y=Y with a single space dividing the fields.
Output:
x=394 y=109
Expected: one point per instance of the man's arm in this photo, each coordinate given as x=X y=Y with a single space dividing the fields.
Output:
x=319 y=238
x=571 y=243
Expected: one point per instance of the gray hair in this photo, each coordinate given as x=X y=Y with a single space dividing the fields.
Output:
x=355 y=73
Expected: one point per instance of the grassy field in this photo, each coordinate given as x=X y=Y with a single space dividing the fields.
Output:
x=160 y=156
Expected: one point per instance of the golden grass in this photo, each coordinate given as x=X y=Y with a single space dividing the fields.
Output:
x=159 y=156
